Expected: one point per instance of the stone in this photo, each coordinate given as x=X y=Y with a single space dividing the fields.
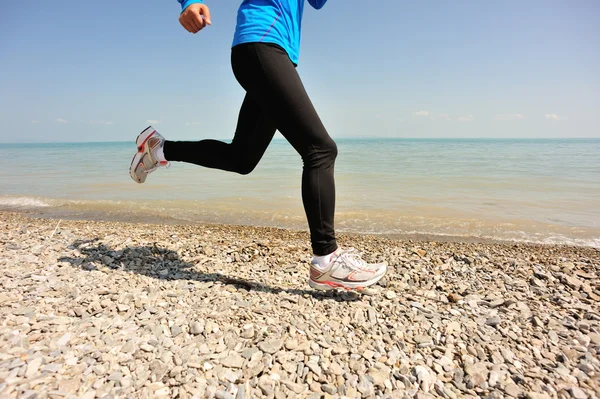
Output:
x=478 y=373
x=493 y=321
x=233 y=360
x=196 y=328
x=175 y=330
x=23 y=310
x=419 y=339
x=247 y=331
x=32 y=367
x=270 y=346
x=577 y=393
x=572 y=282
x=328 y=388
x=296 y=388
x=497 y=303
x=512 y=390
x=336 y=369
x=379 y=377
x=365 y=387
x=220 y=394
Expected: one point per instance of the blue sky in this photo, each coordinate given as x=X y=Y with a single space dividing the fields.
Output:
x=100 y=71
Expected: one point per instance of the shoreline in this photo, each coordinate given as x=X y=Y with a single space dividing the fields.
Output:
x=91 y=308
x=107 y=217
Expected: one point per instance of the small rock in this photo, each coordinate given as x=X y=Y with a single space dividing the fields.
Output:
x=196 y=328
x=145 y=315
x=577 y=393
x=233 y=360
x=296 y=388
x=146 y=347
x=270 y=346
x=248 y=331
x=365 y=387
x=512 y=390
x=23 y=311
x=33 y=366
x=248 y=353
x=572 y=282
x=291 y=344
x=175 y=330
x=497 y=302
x=336 y=369
x=89 y=266
x=390 y=295
x=220 y=394
x=420 y=339
x=493 y=378
x=328 y=388
x=123 y=308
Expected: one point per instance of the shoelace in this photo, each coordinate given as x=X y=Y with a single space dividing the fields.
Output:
x=352 y=259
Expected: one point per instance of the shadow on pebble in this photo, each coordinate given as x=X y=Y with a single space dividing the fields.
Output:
x=165 y=264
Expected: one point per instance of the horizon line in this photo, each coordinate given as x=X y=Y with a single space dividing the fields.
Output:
x=334 y=138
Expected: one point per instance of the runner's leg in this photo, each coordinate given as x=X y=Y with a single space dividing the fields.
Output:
x=252 y=136
x=266 y=72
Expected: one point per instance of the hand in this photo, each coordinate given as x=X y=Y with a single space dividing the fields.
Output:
x=195 y=17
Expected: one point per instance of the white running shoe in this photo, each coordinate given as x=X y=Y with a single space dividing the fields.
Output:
x=347 y=271
x=144 y=161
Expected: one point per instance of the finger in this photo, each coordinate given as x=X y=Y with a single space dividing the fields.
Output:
x=197 y=21
x=187 y=26
x=206 y=12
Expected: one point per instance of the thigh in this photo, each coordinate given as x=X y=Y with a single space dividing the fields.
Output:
x=253 y=133
x=267 y=73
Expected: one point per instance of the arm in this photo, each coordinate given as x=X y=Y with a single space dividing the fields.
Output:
x=317 y=4
x=194 y=15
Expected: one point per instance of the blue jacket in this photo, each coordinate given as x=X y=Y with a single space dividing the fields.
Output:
x=269 y=21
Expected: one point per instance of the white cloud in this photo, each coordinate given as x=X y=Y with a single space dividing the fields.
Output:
x=445 y=117
x=35 y=121
x=153 y=121
x=101 y=123
x=61 y=120
x=510 y=117
x=193 y=123
x=422 y=113
x=468 y=118
x=553 y=117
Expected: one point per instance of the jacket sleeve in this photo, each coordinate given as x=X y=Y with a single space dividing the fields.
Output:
x=317 y=4
x=185 y=3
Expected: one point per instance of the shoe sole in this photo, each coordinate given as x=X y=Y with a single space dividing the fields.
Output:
x=143 y=137
x=135 y=163
x=332 y=285
x=140 y=143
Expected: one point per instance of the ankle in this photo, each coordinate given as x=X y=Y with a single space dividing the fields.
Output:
x=159 y=154
x=322 y=261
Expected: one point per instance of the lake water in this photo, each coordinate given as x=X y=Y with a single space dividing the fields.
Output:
x=543 y=191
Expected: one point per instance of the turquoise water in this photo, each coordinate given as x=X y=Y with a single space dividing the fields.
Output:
x=545 y=191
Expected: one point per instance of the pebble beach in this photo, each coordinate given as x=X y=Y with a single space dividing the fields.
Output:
x=93 y=309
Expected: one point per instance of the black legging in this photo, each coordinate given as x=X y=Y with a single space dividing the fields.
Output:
x=275 y=100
